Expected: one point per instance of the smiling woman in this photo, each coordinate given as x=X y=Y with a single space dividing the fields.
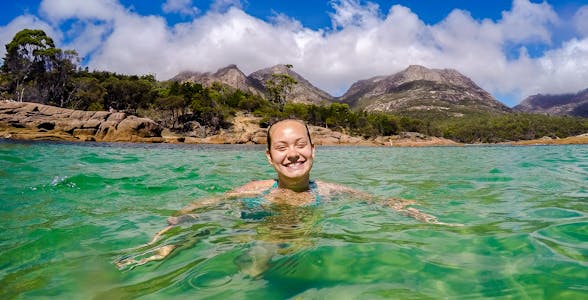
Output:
x=291 y=153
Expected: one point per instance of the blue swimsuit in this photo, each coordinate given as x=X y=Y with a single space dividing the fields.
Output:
x=256 y=207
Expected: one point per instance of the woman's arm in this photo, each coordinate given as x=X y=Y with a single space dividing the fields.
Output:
x=183 y=215
x=252 y=188
x=398 y=204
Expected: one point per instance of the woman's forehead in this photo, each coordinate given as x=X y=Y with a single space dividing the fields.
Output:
x=289 y=127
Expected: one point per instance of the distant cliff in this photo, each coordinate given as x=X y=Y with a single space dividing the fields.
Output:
x=421 y=89
x=562 y=104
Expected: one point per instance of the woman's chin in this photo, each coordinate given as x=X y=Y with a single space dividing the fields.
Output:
x=295 y=175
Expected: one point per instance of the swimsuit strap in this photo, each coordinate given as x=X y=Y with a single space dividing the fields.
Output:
x=314 y=190
x=273 y=187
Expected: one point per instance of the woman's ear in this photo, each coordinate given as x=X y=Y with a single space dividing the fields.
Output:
x=268 y=154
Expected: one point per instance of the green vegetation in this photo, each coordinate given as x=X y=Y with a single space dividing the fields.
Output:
x=509 y=127
x=35 y=71
x=279 y=86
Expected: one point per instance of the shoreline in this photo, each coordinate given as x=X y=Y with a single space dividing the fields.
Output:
x=213 y=140
x=38 y=122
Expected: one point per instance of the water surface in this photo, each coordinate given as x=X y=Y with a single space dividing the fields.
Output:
x=67 y=211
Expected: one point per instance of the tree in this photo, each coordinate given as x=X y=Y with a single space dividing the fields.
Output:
x=33 y=62
x=26 y=56
x=279 y=86
x=56 y=84
x=87 y=94
x=173 y=107
x=128 y=93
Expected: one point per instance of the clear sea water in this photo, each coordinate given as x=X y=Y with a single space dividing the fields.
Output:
x=68 y=211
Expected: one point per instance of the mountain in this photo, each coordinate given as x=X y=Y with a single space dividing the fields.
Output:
x=562 y=104
x=302 y=92
x=419 y=89
x=229 y=75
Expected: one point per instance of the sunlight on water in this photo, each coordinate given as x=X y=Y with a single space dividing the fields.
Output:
x=69 y=212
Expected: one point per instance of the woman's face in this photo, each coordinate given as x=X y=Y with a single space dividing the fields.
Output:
x=291 y=152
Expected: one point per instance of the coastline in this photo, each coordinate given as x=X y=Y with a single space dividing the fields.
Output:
x=572 y=140
x=38 y=122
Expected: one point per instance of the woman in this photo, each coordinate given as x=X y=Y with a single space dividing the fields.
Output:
x=291 y=153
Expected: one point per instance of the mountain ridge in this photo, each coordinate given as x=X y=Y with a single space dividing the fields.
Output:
x=414 y=89
x=572 y=104
x=418 y=88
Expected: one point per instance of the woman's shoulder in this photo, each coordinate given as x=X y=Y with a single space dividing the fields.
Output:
x=330 y=187
x=327 y=188
x=253 y=187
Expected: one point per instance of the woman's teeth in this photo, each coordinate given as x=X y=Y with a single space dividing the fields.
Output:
x=294 y=165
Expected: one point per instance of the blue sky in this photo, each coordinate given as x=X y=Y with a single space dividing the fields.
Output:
x=512 y=49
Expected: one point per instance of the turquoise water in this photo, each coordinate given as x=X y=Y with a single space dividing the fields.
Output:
x=68 y=211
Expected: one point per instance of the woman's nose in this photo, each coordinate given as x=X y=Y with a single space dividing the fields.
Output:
x=293 y=155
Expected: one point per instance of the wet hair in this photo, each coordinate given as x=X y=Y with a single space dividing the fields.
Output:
x=269 y=139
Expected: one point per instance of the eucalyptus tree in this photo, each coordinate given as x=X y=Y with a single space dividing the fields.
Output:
x=279 y=86
x=33 y=62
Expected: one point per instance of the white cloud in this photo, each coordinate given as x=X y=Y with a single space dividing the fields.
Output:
x=183 y=7
x=565 y=69
x=60 y=10
x=8 y=32
x=221 y=6
x=528 y=22
x=88 y=36
x=363 y=42
x=352 y=13
x=137 y=45
x=581 y=21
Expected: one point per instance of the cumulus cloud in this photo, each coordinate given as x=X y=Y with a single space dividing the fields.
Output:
x=364 y=41
x=581 y=21
x=22 y=22
x=224 y=5
x=60 y=10
x=183 y=7
x=353 y=13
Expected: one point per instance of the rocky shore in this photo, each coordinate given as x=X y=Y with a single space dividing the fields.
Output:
x=33 y=121
x=572 y=140
x=245 y=130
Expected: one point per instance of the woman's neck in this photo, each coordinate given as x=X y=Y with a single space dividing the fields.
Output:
x=298 y=186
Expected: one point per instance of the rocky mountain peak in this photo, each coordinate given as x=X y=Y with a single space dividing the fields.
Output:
x=420 y=88
x=266 y=74
x=415 y=88
x=230 y=75
x=558 y=104
x=442 y=76
x=229 y=69
x=302 y=92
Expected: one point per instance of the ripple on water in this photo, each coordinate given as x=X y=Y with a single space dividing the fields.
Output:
x=569 y=240
x=95 y=158
x=524 y=210
x=553 y=213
